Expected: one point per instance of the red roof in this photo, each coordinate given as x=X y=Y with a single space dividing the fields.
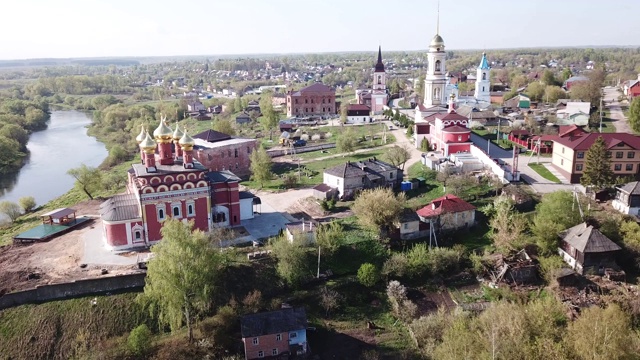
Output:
x=453 y=115
x=563 y=130
x=358 y=107
x=456 y=129
x=317 y=88
x=444 y=205
x=585 y=141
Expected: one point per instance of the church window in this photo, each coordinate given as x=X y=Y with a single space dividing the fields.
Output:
x=296 y=101
x=436 y=93
x=138 y=235
x=190 y=210
x=484 y=77
x=161 y=214
x=175 y=209
x=379 y=80
x=236 y=150
x=437 y=68
x=220 y=217
x=483 y=89
x=306 y=101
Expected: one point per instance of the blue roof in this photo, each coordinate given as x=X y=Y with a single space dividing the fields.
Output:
x=484 y=64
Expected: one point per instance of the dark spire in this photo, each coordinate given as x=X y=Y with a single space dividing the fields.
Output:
x=379 y=64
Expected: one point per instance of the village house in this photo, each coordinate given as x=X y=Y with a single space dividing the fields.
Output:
x=574 y=113
x=569 y=154
x=218 y=152
x=448 y=213
x=274 y=334
x=358 y=114
x=631 y=88
x=314 y=100
x=574 y=80
x=351 y=177
x=410 y=226
x=195 y=106
x=243 y=118
x=585 y=248
x=627 y=199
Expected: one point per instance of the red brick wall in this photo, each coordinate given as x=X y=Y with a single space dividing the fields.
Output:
x=116 y=234
x=462 y=147
x=266 y=343
x=224 y=158
x=309 y=107
x=226 y=194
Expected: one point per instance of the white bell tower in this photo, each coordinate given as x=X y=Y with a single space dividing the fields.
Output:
x=483 y=83
x=436 y=79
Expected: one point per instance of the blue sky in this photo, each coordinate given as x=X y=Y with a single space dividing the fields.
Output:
x=93 y=28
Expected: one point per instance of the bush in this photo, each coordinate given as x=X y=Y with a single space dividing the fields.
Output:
x=28 y=203
x=11 y=209
x=368 y=275
x=139 y=340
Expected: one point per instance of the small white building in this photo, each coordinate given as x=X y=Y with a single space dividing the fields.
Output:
x=627 y=199
x=246 y=205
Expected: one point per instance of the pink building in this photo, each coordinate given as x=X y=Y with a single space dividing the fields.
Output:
x=169 y=183
x=317 y=99
x=447 y=132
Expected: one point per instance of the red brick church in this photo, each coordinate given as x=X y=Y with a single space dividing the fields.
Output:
x=168 y=183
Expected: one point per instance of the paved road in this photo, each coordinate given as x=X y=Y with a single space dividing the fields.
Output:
x=620 y=122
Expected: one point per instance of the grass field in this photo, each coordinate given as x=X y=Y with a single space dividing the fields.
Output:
x=544 y=172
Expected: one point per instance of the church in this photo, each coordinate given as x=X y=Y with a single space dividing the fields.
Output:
x=169 y=183
x=377 y=97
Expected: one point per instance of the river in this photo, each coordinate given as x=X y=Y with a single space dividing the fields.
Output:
x=63 y=145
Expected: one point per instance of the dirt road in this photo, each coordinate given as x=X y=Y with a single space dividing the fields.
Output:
x=620 y=122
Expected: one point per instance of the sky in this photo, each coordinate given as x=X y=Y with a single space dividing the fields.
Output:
x=108 y=28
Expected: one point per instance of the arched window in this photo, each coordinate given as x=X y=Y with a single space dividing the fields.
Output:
x=484 y=76
x=176 y=211
x=160 y=214
x=437 y=68
x=138 y=235
x=379 y=79
x=483 y=89
x=436 y=93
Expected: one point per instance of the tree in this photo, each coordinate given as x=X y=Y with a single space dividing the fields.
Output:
x=377 y=209
x=548 y=78
x=292 y=264
x=10 y=209
x=535 y=91
x=634 y=114
x=424 y=144
x=344 y=108
x=139 y=341
x=398 y=155
x=28 y=203
x=270 y=117
x=88 y=179
x=554 y=213
x=329 y=237
x=329 y=300
x=237 y=104
x=17 y=133
x=346 y=142
x=420 y=89
x=224 y=126
x=566 y=74
x=260 y=166
x=507 y=226
x=368 y=274
x=597 y=166
x=10 y=154
x=183 y=275
x=553 y=93
x=590 y=90
x=610 y=334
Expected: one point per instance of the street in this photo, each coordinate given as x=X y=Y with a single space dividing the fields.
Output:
x=611 y=103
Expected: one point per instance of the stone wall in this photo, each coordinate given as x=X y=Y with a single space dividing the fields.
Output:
x=76 y=288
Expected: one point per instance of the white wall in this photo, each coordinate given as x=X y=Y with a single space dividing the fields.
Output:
x=246 y=209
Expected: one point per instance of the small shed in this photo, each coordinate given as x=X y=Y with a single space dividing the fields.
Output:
x=61 y=216
x=325 y=192
x=405 y=186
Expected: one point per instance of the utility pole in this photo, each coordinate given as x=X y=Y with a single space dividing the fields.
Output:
x=601 y=111
x=318 y=276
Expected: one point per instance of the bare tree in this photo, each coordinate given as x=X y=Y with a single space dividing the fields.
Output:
x=398 y=155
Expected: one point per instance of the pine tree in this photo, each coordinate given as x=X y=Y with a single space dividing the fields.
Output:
x=597 y=167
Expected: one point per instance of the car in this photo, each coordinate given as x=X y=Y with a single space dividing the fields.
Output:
x=298 y=143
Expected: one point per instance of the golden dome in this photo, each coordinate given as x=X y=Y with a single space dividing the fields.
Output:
x=186 y=142
x=163 y=132
x=177 y=134
x=148 y=145
x=142 y=135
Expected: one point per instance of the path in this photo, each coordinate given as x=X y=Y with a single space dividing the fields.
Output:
x=620 y=122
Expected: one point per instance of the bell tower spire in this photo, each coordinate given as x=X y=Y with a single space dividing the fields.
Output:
x=438 y=20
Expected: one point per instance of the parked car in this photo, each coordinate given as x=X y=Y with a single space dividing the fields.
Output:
x=298 y=143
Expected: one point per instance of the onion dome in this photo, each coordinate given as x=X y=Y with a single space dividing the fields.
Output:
x=177 y=134
x=186 y=142
x=163 y=132
x=437 y=42
x=142 y=135
x=148 y=145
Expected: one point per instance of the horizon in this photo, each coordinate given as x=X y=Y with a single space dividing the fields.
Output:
x=119 y=28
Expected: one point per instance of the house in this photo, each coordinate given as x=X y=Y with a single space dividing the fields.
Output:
x=358 y=114
x=410 y=226
x=569 y=154
x=248 y=201
x=216 y=109
x=316 y=99
x=544 y=143
x=574 y=80
x=195 y=106
x=243 y=118
x=627 y=199
x=574 y=113
x=252 y=106
x=276 y=333
x=219 y=152
x=351 y=177
x=303 y=231
x=448 y=213
x=477 y=117
x=631 y=88
x=585 y=248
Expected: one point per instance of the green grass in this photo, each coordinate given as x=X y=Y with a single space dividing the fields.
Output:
x=311 y=172
x=607 y=126
x=544 y=172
